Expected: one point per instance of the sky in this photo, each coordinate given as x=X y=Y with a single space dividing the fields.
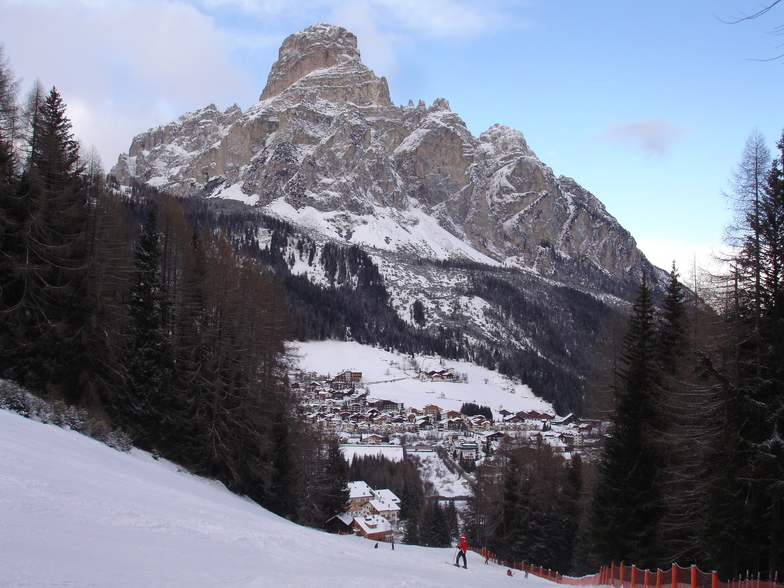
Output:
x=646 y=104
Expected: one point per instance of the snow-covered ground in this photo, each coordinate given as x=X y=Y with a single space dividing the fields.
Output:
x=74 y=512
x=393 y=376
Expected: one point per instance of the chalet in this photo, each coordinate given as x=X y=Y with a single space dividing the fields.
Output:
x=445 y=375
x=371 y=440
x=387 y=496
x=385 y=405
x=424 y=423
x=494 y=437
x=389 y=510
x=456 y=424
x=480 y=423
x=342 y=524
x=567 y=420
x=359 y=496
x=453 y=414
x=432 y=411
x=364 y=501
x=530 y=415
x=373 y=527
x=468 y=450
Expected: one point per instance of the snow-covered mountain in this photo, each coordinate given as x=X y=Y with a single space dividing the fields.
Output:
x=74 y=512
x=476 y=241
x=326 y=148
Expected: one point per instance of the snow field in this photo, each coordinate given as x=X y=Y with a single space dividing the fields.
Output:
x=74 y=512
x=393 y=376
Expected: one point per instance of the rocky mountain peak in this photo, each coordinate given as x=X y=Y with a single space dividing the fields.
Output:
x=315 y=49
x=325 y=140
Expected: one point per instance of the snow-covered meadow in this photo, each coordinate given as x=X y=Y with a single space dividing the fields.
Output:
x=394 y=376
x=74 y=512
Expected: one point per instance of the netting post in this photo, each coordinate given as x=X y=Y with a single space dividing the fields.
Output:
x=674 y=575
x=693 y=576
x=714 y=580
x=634 y=576
x=612 y=574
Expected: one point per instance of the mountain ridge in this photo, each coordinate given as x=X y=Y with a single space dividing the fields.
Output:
x=326 y=135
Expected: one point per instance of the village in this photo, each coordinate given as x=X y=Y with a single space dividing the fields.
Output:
x=343 y=406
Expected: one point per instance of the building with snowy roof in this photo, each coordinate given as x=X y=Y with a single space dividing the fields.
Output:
x=373 y=527
x=363 y=500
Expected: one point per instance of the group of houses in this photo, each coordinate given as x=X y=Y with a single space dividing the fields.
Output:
x=373 y=514
x=340 y=405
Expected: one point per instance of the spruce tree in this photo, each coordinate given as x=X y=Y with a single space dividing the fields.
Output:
x=146 y=403
x=626 y=504
x=334 y=480
x=48 y=237
x=673 y=328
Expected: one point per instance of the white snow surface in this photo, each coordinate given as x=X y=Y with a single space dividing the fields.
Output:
x=387 y=229
x=393 y=376
x=74 y=512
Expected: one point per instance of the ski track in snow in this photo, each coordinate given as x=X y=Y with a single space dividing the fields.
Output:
x=74 y=512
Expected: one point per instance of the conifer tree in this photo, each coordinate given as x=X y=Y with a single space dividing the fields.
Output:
x=672 y=337
x=49 y=237
x=334 y=481
x=145 y=405
x=742 y=526
x=626 y=503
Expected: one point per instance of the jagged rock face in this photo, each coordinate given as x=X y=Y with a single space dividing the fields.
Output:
x=326 y=137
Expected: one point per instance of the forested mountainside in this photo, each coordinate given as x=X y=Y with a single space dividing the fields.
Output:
x=539 y=331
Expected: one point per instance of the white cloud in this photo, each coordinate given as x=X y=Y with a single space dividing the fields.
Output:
x=123 y=64
x=655 y=136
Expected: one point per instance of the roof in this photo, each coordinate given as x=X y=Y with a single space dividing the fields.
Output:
x=384 y=506
x=387 y=495
x=359 y=490
x=344 y=518
x=373 y=524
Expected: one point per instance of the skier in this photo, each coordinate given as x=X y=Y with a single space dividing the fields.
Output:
x=461 y=551
x=509 y=572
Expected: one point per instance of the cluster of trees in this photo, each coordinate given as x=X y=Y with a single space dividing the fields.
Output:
x=563 y=323
x=526 y=505
x=693 y=470
x=473 y=409
x=126 y=306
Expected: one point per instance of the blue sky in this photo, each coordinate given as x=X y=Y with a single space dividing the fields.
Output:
x=646 y=104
